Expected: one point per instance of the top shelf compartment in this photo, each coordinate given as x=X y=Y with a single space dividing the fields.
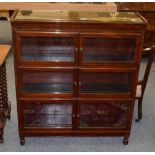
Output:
x=73 y=49
x=109 y=49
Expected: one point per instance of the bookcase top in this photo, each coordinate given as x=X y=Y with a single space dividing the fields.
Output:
x=78 y=16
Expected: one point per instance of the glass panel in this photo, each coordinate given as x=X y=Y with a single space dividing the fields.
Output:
x=56 y=49
x=103 y=114
x=48 y=115
x=109 y=49
x=106 y=82
x=44 y=82
x=86 y=16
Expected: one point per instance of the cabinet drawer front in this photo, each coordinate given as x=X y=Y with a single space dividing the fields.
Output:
x=54 y=114
x=45 y=47
x=110 y=48
x=110 y=81
x=47 y=82
x=103 y=114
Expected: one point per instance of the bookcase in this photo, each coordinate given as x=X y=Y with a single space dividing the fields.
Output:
x=76 y=72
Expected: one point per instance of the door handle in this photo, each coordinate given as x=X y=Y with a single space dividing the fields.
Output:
x=79 y=83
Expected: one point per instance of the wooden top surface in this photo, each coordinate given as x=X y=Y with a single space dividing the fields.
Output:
x=79 y=16
x=4 y=50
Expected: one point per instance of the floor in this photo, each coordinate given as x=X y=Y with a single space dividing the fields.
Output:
x=142 y=134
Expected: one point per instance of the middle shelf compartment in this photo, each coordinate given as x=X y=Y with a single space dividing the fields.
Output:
x=76 y=82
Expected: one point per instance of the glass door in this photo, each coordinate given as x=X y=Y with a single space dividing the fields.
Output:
x=47 y=82
x=46 y=47
x=102 y=82
x=99 y=114
x=106 y=48
x=57 y=114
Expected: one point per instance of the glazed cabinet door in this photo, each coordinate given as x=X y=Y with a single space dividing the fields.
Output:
x=107 y=82
x=47 y=114
x=104 y=114
x=56 y=48
x=109 y=48
x=55 y=82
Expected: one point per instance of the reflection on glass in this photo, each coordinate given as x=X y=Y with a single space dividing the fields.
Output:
x=109 y=49
x=56 y=49
x=106 y=82
x=87 y=16
x=44 y=82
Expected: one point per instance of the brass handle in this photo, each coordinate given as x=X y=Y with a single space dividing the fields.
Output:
x=28 y=111
x=78 y=115
x=76 y=49
x=79 y=83
x=73 y=115
x=75 y=83
x=81 y=49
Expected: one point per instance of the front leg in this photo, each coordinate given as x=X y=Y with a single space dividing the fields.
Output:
x=126 y=140
x=22 y=140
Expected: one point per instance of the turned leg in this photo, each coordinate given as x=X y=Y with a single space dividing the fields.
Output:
x=6 y=103
x=22 y=140
x=126 y=140
x=139 y=110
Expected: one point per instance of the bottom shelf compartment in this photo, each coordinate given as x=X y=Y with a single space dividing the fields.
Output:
x=83 y=114
x=56 y=114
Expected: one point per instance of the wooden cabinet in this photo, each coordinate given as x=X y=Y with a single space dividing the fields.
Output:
x=76 y=72
x=147 y=10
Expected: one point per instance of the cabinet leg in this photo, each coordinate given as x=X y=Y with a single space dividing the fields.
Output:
x=22 y=140
x=125 y=140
